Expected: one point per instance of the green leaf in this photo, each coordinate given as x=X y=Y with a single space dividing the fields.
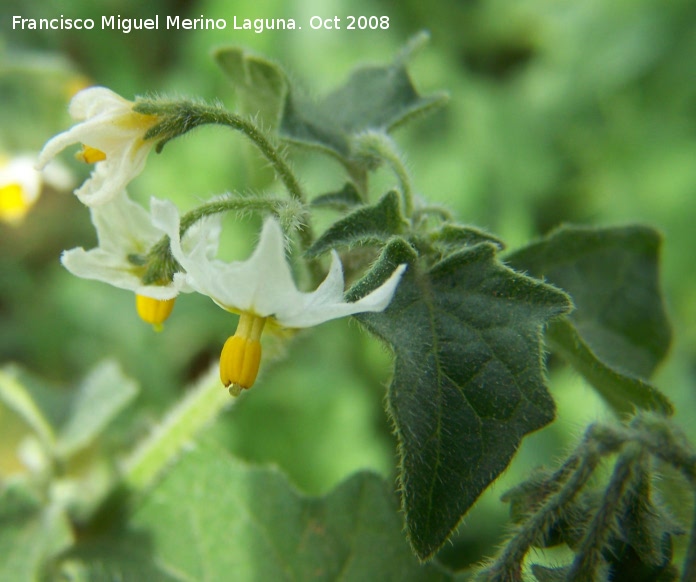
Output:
x=15 y=394
x=214 y=518
x=452 y=237
x=622 y=391
x=367 y=225
x=101 y=396
x=29 y=534
x=373 y=98
x=619 y=331
x=345 y=199
x=545 y=574
x=261 y=84
x=468 y=379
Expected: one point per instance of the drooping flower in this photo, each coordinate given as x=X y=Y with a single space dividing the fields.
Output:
x=262 y=290
x=126 y=234
x=112 y=135
x=21 y=184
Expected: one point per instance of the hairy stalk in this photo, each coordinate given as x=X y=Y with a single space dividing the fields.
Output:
x=289 y=213
x=201 y=405
x=161 y=265
x=147 y=463
x=575 y=473
x=689 y=571
x=566 y=483
x=662 y=442
x=378 y=145
x=588 y=558
x=182 y=117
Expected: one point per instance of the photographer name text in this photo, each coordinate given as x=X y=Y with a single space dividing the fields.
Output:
x=257 y=25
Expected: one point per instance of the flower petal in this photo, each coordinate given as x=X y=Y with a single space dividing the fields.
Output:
x=95 y=101
x=124 y=228
x=108 y=124
x=313 y=313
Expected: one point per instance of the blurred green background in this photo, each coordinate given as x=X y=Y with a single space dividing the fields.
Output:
x=561 y=111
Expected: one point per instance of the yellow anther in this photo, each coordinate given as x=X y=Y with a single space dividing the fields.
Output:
x=13 y=204
x=90 y=155
x=241 y=355
x=154 y=311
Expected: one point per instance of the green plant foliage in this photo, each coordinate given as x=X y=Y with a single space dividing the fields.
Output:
x=452 y=237
x=30 y=532
x=68 y=424
x=101 y=396
x=366 y=225
x=619 y=331
x=260 y=84
x=468 y=381
x=96 y=484
x=344 y=199
x=17 y=397
x=271 y=532
x=617 y=531
x=373 y=98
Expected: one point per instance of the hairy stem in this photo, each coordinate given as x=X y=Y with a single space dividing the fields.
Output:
x=277 y=206
x=181 y=117
x=588 y=558
x=201 y=405
x=146 y=464
x=577 y=471
x=375 y=144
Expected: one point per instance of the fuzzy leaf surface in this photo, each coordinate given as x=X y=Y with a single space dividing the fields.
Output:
x=619 y=331
x=213 y=517
x=101 y=396
x=261 y=84
x=365 y=225
x=29 y=534
x=344 y=199
x=376 y=98
x=452 y=237
x=468 y=379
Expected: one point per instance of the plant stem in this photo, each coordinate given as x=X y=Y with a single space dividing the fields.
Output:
x=181 y=117
x=588 y=558
x=242 y=204
x=380 y=145
x=203 y=403
x=509 y=563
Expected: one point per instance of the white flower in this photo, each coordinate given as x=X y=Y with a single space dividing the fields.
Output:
x=21 y=184
x=260 y=289
x=112 y=137
x=125 y=231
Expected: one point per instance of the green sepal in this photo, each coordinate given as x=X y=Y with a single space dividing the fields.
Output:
x=366 y=225
x=261 y=84
x=468 y=381
x=344 y=199
x=373 y=98
x=619 y=331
